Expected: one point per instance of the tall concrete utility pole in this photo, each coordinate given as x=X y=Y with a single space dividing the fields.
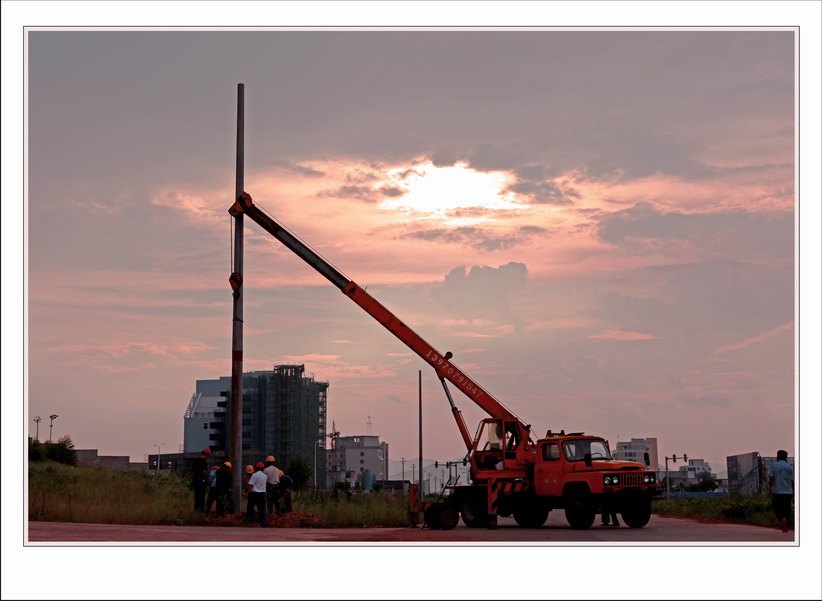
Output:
x=236 y=281
x=420 y=392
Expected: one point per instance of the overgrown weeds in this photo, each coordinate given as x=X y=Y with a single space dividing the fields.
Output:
x=343 y=509
x=756 y=511
x=80 y=494
x=63 y=493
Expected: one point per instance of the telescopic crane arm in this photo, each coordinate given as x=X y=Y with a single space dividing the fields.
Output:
x=441 y=363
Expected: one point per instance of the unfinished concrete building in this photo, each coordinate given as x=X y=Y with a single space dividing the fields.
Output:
x=284 y=413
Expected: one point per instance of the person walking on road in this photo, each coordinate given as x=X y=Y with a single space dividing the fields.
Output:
x=272 y=487
x=780 y=487
x=199 y=479
x=256 y=495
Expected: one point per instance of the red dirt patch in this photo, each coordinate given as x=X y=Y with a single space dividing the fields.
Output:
x=288 y=520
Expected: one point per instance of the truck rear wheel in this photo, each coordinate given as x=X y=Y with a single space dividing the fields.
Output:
x=449 y=518
x=579 y=512
x=637 y=512
x=531 y=513
x=474 y=511
x=431 y=517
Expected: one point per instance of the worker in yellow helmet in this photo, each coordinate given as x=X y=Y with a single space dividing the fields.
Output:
x=249 y=469
x=225 y=503
x=272 y=485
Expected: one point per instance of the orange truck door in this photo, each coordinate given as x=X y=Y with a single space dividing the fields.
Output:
x=548 y=470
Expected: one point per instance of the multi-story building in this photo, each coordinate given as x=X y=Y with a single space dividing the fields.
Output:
x=635 y=451
x=747 y=473
x=356 y=457
x=284 y=413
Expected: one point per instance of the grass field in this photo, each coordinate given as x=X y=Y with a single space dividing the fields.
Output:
x=62 y=493
x=756 y=511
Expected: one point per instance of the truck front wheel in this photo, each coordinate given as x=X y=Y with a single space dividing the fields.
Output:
x=579 y=512
x=637 y=512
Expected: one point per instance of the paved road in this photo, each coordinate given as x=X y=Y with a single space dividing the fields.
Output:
x=660 y=530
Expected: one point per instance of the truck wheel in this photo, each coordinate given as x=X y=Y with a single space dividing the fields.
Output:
x=474 y=511
x=636 y=513
x=579 y=512
x=531 y=513
x=449 y=518
x=533 y=517
x=431 y=517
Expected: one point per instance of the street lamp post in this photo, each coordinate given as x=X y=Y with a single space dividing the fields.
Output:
x=37 y=421
x=316 y=444
x=52 y=417
x=158 y=456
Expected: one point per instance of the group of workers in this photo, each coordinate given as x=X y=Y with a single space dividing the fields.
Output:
x=266 y=487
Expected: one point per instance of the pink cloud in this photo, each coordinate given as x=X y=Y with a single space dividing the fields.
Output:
x=754 y=339
x=622 y=336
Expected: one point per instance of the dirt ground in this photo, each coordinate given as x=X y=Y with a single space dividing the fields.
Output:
x=660 y=530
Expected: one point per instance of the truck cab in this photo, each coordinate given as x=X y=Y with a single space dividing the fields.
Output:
x=580 y=475
x=502 y=445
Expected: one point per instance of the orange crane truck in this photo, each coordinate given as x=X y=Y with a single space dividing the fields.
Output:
x=510 y=472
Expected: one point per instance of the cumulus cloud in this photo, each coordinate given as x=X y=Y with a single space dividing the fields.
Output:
x=544 y=192
x=481 y=292
x=477 y=237
x=299 y=169
x=365 y=194
x=643 y=227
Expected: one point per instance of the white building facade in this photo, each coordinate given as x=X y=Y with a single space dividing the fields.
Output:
x=360 y=460
x=635 y=451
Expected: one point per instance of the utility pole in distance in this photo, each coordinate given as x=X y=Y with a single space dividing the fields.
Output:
x=52 y=417
x=236 y=281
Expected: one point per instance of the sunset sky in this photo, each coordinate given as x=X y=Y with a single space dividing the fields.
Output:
x=599 y=225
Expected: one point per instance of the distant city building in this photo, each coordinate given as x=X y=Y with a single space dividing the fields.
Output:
x=747 y=473
x=635 y=451
x=284 y=413
x=91 y=458
x=686 y=475
x=356 y=460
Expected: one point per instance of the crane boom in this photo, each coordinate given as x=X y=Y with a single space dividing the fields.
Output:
x=441 y=363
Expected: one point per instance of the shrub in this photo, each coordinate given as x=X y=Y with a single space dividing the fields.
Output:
x=37 y=450
x=300 y=470
x=62 y=451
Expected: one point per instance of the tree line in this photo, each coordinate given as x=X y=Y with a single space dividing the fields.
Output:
x=61 y=451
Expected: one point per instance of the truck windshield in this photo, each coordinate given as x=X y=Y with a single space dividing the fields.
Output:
x=575 y=449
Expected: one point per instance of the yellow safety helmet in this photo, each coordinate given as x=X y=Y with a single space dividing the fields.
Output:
x=249 y=469
x=228 y=463
x=271 y=458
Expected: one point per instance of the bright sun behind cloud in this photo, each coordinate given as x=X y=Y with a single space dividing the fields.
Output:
x=437 y=191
